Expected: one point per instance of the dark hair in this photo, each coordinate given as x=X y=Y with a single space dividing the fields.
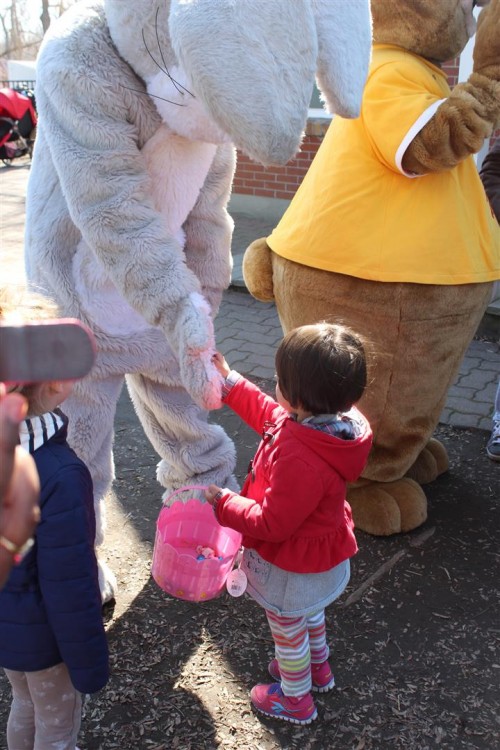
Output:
x=321 y=368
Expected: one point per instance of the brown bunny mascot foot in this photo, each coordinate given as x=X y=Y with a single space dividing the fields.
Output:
x=391 y=233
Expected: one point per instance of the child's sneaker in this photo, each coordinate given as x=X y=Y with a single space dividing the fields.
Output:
x=321 y=674
x=493 y=444
x=269 y=700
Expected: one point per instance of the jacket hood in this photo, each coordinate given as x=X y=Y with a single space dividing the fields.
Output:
x=251 y=66
x=346 y=457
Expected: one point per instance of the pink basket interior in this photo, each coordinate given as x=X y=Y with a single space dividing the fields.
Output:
x=180 y=528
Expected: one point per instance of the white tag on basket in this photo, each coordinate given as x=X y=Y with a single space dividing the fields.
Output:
x=236 y=582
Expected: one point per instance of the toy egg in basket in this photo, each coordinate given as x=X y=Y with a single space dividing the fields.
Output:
x=193 y=554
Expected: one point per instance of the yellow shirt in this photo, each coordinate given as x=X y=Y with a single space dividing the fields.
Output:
x=357 y=212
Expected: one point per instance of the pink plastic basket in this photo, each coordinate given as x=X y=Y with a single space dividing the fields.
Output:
x=182 y=526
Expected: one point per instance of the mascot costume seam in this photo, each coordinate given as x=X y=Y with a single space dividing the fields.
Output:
x=391 y=233
x=139 y=106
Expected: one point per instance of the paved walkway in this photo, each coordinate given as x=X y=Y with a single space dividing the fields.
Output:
x=248 y=331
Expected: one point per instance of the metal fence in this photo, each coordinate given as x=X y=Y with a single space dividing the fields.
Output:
x=18 y=85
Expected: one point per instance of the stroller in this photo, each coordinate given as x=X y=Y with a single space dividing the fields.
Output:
x=17 y=125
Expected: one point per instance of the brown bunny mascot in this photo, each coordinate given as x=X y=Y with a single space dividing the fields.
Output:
x=391 y=233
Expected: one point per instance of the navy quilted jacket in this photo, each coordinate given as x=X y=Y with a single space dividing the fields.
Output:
x=50 y=608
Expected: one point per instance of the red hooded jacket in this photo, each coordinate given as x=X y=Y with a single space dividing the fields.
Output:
x=292 y=509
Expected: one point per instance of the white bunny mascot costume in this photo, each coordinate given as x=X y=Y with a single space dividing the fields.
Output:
x=139 y=105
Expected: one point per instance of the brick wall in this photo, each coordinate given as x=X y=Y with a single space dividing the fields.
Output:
x=451 y=70
x=279 y=182
x=282 y=182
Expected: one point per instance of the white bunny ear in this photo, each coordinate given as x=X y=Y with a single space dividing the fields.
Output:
x=344 y=37
x=253 y=66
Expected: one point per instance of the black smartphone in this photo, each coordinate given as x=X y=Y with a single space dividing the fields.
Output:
x=59 y=349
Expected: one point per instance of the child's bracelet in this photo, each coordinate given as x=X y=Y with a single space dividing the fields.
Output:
x=216 y=499
x=17 y=550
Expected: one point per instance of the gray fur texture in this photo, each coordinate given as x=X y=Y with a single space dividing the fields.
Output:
x=140 y=105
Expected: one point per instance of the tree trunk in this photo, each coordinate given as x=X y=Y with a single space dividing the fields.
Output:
x=45 y=17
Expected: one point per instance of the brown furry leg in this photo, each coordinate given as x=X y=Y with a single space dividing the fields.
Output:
x=430 y=463
x=417 y=337
x=385 y=508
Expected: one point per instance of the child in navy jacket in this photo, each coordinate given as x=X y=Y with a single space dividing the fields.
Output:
x=297 y=527
x=53 y=646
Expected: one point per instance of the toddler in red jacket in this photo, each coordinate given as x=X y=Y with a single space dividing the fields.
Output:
x=298 y=533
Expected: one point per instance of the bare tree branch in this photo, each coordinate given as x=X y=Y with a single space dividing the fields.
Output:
x=18 y=38
x=45 y=17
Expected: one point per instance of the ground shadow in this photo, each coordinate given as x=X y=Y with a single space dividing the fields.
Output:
x=414 y=636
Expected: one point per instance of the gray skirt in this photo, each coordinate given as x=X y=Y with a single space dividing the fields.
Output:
x=292 y=594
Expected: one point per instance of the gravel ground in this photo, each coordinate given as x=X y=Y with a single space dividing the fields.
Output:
x=414 y=638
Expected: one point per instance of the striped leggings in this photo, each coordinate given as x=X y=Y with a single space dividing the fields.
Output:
x=298 y=642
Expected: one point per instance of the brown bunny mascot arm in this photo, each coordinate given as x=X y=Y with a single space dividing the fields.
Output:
x=472 y=111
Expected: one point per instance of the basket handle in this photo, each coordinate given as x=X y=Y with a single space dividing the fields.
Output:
x=188 y=488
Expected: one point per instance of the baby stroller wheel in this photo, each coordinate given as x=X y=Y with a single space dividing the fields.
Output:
x=18 y=122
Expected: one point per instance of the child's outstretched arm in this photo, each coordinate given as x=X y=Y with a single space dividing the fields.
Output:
x=252 y=405
x=275 y=518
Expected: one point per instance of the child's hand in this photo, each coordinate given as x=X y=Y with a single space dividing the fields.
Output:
x=213 y=493
x=220 y=364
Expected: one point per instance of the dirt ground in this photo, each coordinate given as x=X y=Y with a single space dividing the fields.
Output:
x=414 y=639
